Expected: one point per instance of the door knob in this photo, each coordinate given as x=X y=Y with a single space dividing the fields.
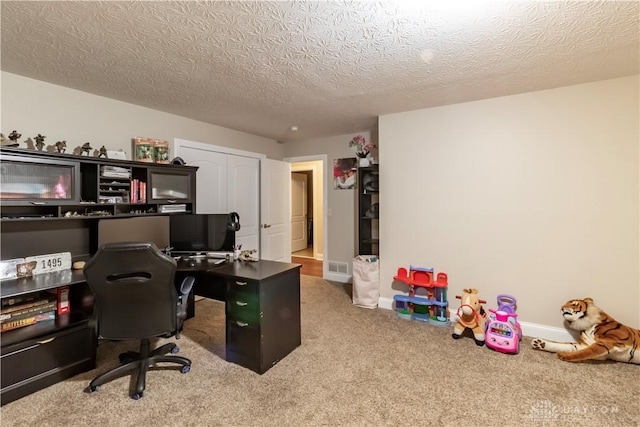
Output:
x=266 y=225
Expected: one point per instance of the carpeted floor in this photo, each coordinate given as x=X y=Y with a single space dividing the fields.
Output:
x=356 y=367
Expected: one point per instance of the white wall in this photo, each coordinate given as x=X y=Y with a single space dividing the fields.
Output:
x=534 y=195
x=32 y=106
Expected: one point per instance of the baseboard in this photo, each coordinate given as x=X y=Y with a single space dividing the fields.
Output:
x=536 y=330
x=550 y=333
x=386 y=303
x=337 y=277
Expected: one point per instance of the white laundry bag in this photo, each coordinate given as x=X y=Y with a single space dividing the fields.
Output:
x=366 y=281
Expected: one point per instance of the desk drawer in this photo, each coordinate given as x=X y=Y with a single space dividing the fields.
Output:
x=243 y=302
x=243 y=339
x=36 y=357
x=243 y=307
x=243 y=287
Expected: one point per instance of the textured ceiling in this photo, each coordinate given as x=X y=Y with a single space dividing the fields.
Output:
x=329 y=67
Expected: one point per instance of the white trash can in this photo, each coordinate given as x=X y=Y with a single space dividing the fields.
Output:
x=366 y=281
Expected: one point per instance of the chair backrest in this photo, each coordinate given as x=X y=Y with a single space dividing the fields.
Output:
x=135 y=293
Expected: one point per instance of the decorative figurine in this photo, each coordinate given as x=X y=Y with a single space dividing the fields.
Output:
x=247 y=255
x=103 y=152
x=14 y=136
x=29 y=143
x=4 y=142
x=40 y=141
x=61 y=146
x=86 y=149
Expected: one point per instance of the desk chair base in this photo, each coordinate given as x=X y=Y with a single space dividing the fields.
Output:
x=141 y=361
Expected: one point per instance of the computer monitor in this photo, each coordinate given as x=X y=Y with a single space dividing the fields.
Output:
x=153 y=229
x=200 y=233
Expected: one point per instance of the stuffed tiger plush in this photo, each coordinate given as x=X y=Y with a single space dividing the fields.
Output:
x=601 y=336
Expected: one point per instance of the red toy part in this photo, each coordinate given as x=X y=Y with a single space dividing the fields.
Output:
x=403 y=276
x=421 y=278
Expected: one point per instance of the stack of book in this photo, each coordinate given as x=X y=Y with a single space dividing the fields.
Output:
x=138 y=191
x=115 y=172
x=26 y=310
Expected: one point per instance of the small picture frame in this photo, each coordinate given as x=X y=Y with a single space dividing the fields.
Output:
x=161 y=151
x=143 y=150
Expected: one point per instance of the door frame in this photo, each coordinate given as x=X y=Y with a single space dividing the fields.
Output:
x=300 y=177
x=324 y=158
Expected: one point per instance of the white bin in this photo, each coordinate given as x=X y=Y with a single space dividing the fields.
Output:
x=366 y=281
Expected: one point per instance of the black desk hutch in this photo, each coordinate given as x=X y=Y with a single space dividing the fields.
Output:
x=262 y=298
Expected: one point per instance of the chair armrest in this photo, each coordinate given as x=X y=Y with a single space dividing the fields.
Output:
x=186 y=285
x=183 y=301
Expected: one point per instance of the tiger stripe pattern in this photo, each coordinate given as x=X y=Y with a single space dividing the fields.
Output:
x=601 y=336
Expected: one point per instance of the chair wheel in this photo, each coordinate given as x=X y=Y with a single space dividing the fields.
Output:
x=185 y=369
x=126 y=357
x=94 y=388
x=175 y=349
x=137 y=396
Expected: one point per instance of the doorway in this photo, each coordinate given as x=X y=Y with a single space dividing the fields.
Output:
x=309 y=213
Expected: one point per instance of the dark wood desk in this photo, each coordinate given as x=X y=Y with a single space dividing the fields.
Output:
x=262 y=306
x=262 y=302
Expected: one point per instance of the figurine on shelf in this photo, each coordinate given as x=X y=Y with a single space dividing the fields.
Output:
x=247 y=255
x=14 y=136
x=103 y=152
x=86 y=149
x=61 y=146
x=40 y=142
x=4 y=142
x=29 y=143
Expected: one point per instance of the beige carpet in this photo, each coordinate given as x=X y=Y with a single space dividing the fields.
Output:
x=356 y=367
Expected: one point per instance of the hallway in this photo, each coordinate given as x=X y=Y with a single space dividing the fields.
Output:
x=310 y=266
x=307 y=253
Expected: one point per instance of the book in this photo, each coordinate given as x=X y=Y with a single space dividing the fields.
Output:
x=134 y=191
x=20 y=299
x=28 y=312
x=25 y=305
x=143 y=192
x=27 y=321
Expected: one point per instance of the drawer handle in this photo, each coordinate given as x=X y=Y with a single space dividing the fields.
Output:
x=241 y=303
x=241 y=283
x=19 y=351
x=241 y=324
x=46 y=341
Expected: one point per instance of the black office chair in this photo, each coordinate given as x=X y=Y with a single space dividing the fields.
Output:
x=136 y=298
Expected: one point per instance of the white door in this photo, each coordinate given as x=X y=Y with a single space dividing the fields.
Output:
x=243 y=198
x=227 y=181
x=275 y=210
x=298 y=212
x=211 y=179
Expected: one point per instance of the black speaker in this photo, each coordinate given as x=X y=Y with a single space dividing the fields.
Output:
x=234 y=222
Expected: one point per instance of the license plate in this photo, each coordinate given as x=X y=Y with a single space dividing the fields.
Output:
x=51 y=262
